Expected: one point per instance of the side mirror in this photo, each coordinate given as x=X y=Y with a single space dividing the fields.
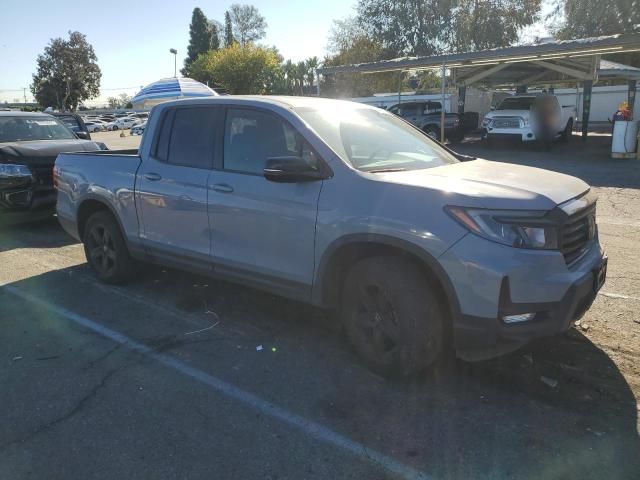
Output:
x=291 y=169
x=83 y=135
x=492 y=108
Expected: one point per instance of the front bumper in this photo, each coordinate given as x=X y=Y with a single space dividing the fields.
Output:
x=26 y=203
x=478 y=338
x=492 y=281
x=524 y=134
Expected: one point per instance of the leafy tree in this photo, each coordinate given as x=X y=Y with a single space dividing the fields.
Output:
x=67 y=73
x=240 y=69
x=113 y=102
x=361 y=50
x=201 y=38
x=228 y=30
x=247 y=22
x=480 y=25
x=429 y=27
x=591 y=18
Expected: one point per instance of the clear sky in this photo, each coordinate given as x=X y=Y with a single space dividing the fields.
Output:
x=132 y=38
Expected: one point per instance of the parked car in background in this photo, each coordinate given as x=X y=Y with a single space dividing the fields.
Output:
x=138 y=129
x=347 y=207
x=124 y=123
x=29 y=145
x=426 y=115
x=513 y=118
x=74 y=122
x=95 y=126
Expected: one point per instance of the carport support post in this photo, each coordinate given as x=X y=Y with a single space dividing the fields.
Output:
x=631 y=98
x=586 y=107
x=399 y=88
x=462 y=96
x=442 y=81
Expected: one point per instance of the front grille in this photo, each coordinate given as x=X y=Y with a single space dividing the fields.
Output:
x=506 y=122
x=43 y=175
x=576 y=233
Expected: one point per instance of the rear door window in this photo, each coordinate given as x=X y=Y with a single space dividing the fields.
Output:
x=187 y=137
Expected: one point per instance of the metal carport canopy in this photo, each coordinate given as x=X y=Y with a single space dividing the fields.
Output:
x=564 y=61
x=525 y=53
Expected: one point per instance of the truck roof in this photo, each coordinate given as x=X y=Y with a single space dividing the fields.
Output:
x=279 y=100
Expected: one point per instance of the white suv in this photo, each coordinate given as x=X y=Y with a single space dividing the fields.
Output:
x=512 y=118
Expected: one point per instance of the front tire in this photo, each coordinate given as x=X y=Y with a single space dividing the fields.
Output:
x=392 y=316
x=106 y=250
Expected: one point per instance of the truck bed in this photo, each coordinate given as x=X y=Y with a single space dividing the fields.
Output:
x=106 y=175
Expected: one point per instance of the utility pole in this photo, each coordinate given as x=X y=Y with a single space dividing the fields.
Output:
x=24 y=93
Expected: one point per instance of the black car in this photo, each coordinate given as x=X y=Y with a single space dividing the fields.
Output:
x=29 y=145
x=74 y=122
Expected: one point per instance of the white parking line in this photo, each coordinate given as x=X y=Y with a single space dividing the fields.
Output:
x=310 y=427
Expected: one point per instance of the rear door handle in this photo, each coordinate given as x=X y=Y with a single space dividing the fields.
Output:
x=222 y=188
x=154 y=177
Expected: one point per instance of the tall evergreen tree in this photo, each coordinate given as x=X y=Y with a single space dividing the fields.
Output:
x=200 y=38
x=228 y=30
x=592 y=18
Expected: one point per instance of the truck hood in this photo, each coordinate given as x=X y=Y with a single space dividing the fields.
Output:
x=42 y=152
x=509 y=113
x=495 y=185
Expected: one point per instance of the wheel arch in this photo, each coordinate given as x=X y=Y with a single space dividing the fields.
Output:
x=88 y=207
x=346 y=251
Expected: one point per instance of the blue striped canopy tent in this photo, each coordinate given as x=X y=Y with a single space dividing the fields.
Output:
x=170 y=89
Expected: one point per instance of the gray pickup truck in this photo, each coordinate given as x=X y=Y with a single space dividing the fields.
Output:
x=427 y=116
x=350 y=208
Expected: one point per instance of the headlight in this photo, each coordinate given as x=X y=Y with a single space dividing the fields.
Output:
x=516 y=228
x=486 y=122
x=9 y=170
x=525 y=121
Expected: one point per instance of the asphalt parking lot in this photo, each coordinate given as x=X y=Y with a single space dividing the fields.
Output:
x=180 y=376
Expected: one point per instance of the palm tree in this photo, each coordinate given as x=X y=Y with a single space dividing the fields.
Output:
x=312 y=64
x=289 y=71
x=301 y=73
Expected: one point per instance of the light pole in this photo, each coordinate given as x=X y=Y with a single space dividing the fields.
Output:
x=175 y=57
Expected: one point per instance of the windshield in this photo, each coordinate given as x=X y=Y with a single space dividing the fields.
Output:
x=13 y=129
x=374 y=140
x=519 y=103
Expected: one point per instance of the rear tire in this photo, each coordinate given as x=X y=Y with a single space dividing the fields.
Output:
x=106 y=250
x=392 y=316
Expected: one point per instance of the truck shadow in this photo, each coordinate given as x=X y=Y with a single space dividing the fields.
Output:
x=591 y=160
x=560 y=408
x=41 y=234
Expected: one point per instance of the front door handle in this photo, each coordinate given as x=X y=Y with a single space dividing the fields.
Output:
x=222 y=188
x=154 y=177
